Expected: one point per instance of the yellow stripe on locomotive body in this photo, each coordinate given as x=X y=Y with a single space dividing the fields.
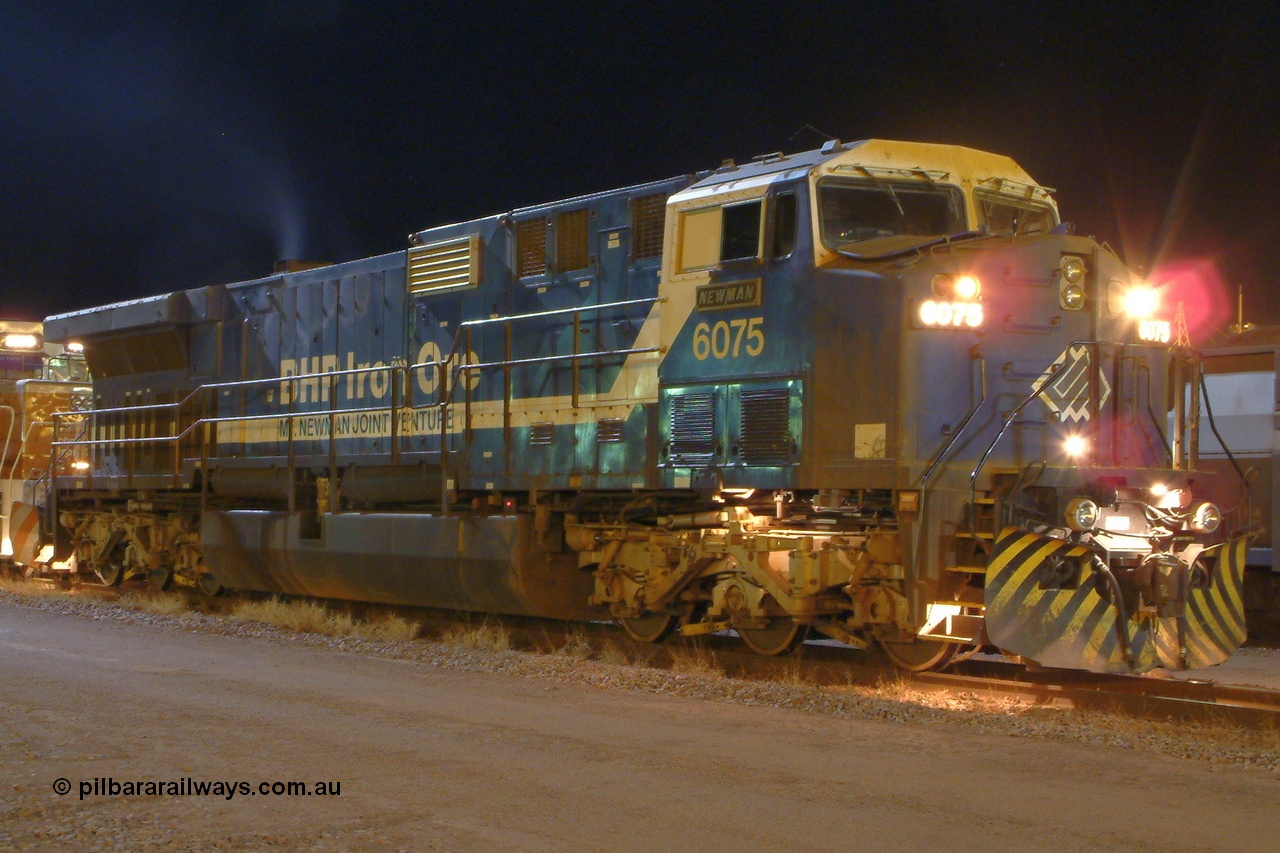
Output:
x=876 y=390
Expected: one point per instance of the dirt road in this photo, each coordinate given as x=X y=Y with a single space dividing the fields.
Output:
x=428 y=759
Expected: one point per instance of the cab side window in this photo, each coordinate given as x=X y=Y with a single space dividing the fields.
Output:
x=1008 y=216
x=711 y=236
x=740 y=239
x=785 y=224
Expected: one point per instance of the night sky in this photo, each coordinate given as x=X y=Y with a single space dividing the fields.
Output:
x=153 y=147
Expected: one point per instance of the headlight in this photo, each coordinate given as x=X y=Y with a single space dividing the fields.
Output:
x=1072 y=297
x=957 y=287
x=1081 y=514
x=1141 y=301
x=1205 y=517
x=1072 y=269
x=967 y=287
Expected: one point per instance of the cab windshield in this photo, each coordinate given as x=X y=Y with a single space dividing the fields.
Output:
x=857 y=212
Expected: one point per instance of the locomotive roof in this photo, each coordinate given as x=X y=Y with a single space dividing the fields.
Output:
x=959 y=163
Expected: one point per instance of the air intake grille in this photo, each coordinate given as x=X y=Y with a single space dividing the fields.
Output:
x=647 y=215
x=572 y=252
x=531 y=247
x=455 y=263
x=541 y=433
x=766 y=426
x=693 y=429
x=609 y=430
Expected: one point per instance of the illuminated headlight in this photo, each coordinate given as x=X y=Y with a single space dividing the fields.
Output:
x=1072 y=297
x=1081 y=515
x=1141 y=301
x=1164 y=497
x=80 y=466
x=964 y=288
x=1072 y=269
x=18 y=340
x=1205 y=517
x=1076 y=446
x=955 y=315
x=75 y=346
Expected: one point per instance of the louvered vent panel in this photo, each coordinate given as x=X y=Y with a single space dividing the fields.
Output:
x=531 y=247
x=455 y=263
x=541 y=433
x=647 y=216
x=609 y=430
x=572 y=252
x=766 y=427
x=693 y=429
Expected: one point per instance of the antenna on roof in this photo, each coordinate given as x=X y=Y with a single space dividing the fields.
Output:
x=826 y=137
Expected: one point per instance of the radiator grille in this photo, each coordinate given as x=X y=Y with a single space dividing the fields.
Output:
x=455 y=263
x=647 y=215
x=531 y=247
x=693 y=429
x=766 y=426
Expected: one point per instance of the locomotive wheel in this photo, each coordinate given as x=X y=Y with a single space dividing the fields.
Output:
x=653 y=627
x=111 y=572
x=779 y=636
x=921 y=655
x=160 y=579
x=208 y=585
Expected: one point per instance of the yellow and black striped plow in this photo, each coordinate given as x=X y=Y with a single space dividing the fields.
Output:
x=1047 y=601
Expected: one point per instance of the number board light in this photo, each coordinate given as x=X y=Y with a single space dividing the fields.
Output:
x=20 y=341
x=1155 y=331
x=944 y=314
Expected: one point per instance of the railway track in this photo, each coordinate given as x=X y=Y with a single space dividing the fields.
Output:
x=826 y=663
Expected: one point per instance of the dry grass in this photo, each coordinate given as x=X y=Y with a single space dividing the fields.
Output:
x=614 y=656
x=576 y=645
x=694 y=661
x=388 y=627
x=307 y=616
x=163 y=603
x=30 y=588
x=485 y=637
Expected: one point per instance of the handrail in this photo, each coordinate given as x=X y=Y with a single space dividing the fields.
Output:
x=450 y=371
x=545 y=359
x=1095 y=349
x=538 y=315
x=964 y=425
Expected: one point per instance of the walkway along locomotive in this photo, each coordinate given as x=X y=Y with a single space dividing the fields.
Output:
x=874 y=391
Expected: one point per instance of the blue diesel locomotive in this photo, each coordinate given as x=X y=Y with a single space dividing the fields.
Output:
x=876 y=391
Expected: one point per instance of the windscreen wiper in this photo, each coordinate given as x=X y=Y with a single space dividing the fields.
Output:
x=928 y=244
x=886 y=187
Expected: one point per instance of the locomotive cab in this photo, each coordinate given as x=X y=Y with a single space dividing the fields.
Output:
x=937 y=372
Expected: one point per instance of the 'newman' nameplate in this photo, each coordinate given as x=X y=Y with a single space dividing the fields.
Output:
x=733 y=294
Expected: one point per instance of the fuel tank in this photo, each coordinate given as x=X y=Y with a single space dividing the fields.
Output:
x=488 y=563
